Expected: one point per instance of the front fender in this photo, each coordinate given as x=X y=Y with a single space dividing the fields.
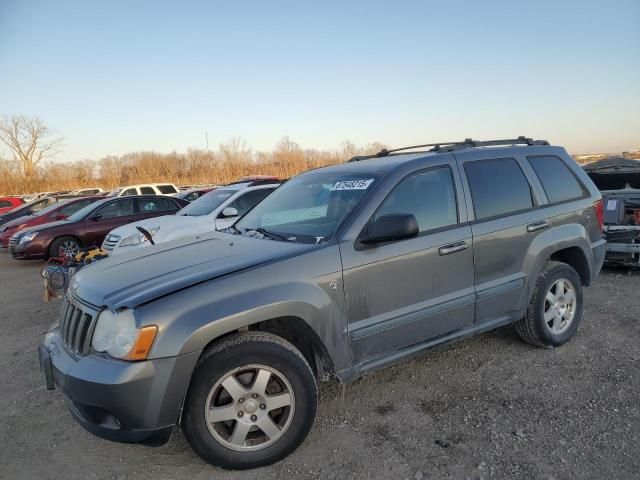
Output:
x=190 y=319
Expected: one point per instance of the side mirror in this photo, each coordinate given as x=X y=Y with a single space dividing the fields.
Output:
x=61 y=217
x=96 y=217
x=388 y=228
x=229 y=212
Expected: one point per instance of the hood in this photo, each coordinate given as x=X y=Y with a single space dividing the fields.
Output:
x=46 y=226
x=614 y=173
x=17 y=221
x=142 y=275
x=166 y=222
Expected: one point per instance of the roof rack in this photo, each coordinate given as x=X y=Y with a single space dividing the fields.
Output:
x=451 y=146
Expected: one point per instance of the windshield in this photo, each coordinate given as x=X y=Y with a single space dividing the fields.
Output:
x=308 y=208
x=206 y=203
x=51 y=207
x=83 y=212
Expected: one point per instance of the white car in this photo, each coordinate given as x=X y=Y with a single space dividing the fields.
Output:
x=145 y=189
x=86 y=191
x=216 y=210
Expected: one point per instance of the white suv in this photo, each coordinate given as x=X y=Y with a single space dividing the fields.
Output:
x=216 y=210
x=145 y=189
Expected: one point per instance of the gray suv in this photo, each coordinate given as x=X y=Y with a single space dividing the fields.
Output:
x=341 y=271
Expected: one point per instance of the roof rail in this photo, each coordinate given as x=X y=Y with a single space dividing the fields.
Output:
x=451 y=146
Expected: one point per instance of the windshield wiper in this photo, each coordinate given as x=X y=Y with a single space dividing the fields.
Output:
x=271 y=235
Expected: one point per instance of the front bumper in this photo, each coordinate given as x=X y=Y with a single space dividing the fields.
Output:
x=121 y=401
x=26 y=251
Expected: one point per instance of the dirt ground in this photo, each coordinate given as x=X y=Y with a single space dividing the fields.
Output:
x=488 y=407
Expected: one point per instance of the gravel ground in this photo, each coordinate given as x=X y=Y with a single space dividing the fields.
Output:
x=488 y=407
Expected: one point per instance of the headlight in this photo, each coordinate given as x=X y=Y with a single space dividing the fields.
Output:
x=28 y=237
x=117 y=335
x=138 y=238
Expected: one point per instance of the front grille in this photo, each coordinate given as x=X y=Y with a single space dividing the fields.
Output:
x=76 y=328
x=110 y=242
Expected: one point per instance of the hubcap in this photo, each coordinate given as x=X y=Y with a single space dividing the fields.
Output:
x=560 y=305
x=250 y=408
x=69 y=249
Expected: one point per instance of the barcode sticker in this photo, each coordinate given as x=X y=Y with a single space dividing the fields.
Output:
x=612 y=204
x=352 y=184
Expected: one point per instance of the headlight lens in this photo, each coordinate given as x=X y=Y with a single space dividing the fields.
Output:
x=117 y=335
x=138 y=238
x=28 y=237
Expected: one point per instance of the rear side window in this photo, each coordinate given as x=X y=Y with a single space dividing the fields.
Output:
x=559 y=183
x=156 y=205
x=147 y=191
x=167 y=189
x=5 y=203
x=428 y=195
x=498 y=187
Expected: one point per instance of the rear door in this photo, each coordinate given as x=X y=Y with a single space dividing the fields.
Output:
x=405 y=293
x=112 y=215
x=155 y=207
x=506 y=222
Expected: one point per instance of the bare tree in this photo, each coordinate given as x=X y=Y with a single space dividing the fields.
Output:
x=29 y=141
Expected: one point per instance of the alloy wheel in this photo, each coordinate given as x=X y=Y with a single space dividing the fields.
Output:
x=250 y=408
x=560 y=306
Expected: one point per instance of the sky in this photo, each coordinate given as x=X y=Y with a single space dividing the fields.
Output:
x=120 y=76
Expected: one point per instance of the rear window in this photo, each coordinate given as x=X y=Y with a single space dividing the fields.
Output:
x=167 y=189
x=559 y=183
x=498 y=187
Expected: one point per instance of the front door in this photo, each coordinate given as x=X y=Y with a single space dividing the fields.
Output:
x=112 y=215
x=407 y=292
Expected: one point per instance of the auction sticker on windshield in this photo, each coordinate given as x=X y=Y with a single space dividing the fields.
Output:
x=352 y=184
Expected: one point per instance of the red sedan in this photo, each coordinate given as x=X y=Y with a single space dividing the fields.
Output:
x=89 y=225
x=54 y=212
x=9 y=203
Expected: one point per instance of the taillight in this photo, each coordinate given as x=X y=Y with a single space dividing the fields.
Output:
x=599 y=206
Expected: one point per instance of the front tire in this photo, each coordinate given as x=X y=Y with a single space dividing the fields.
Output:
x=252 y=401
x=64 y=247
x=555 y=310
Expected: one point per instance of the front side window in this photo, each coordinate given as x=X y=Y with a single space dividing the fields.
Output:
x=129 y=191
x=247 y=201
x=557 y=180
x=120 y=208
x=428 y=195
x=498 y=187
x=147 y=191
x=310 y=207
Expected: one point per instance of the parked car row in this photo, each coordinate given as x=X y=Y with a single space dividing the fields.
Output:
x=61 y=227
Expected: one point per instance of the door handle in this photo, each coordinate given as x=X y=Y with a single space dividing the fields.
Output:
x=452 y=248
x=534 y=227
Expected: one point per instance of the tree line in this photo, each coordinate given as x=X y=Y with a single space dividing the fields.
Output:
x=27 y=163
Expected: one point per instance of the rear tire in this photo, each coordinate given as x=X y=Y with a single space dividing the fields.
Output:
x=252 y=401
x=65 y=247
x=555 y=310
